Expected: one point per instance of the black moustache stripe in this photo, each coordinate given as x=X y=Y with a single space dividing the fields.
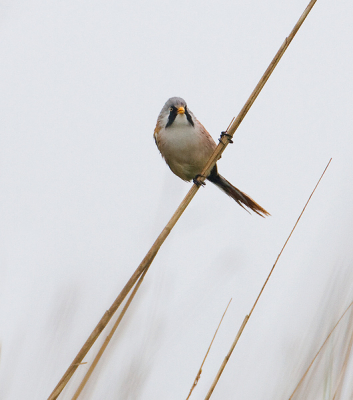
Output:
x=188 y=117
x=172 y=116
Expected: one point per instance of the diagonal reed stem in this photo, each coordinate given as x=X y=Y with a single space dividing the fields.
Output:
x=108 y=338
x=146 y=262
x=247 y=317
x=319 y=351
x=237 y=121
x=208 y=350
x=343 y=371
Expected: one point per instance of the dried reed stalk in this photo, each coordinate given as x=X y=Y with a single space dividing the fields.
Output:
x=208 y=350
x=319 y=351
x=246 y=319
x=108 y=338
x=235 y=123
x=146 y=262
x=343 y=372
x=227 y=357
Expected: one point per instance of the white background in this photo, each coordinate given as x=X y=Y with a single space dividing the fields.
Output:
x=84 y=193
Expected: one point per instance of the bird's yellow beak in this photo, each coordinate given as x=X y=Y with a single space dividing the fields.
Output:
x=181 y=110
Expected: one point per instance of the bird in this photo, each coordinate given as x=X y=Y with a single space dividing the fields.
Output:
x=186 y=146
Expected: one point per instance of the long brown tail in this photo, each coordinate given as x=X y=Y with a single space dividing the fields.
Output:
x=241 y=198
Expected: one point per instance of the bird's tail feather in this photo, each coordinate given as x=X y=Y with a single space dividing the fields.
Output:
x=241 y=198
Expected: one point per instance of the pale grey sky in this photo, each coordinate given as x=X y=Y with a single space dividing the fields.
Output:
x=84 y=192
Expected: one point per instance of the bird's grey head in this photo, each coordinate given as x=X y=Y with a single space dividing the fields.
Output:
x=174 y=107
x=174 y=102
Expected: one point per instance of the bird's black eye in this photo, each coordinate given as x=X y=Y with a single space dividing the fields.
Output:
x=171 y=109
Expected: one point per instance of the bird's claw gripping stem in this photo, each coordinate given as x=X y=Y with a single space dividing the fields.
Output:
x=229 y=137
x=198 y=183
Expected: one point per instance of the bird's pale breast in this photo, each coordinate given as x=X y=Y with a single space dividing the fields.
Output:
x=185 y=149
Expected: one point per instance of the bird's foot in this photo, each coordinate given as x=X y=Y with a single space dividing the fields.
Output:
x=229 y=137
x=197 y=182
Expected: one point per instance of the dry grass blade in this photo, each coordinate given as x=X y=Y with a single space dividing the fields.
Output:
x=224 y=363
x=343 y=370
x=224 y=141
x=208 y=350
x=285 y=244
x=319 y=351
x=108 y=338
x=259 y=295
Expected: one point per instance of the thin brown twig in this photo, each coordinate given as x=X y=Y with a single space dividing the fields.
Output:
x=285 y=244
x=108 y=338
x=227 y=357
x=208 y=350
x=219 y=373
x=146 y=262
